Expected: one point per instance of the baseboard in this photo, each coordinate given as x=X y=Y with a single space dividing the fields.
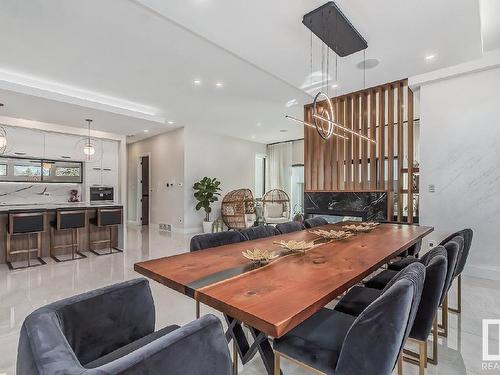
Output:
x=483 y=272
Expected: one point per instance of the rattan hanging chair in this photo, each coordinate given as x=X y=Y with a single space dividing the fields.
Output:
x=238 y=211
x=276 y=206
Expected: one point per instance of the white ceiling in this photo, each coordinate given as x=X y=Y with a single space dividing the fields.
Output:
x=111 y=59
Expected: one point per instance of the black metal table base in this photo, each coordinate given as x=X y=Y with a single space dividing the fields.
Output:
x=247 y=351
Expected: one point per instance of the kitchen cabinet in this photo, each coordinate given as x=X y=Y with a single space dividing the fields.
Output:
x=64 y=147
x=24 y=142
x=103 y=169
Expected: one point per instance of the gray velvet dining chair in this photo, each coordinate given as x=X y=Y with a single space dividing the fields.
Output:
x=291 y=226
x=111 y=331
x=332 y=342
x=261 y=231
x=453 y=250
x=467 y=235
x=207 y=240
x=315 y=222
x=359 y=298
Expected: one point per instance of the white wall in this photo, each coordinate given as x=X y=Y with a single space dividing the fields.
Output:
x=230 y=160
x=166 y=165
x=460 y=155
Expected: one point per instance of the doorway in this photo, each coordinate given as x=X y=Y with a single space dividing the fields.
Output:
x=145 y=190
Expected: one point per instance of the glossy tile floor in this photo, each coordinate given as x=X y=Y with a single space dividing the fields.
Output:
x=23 y=291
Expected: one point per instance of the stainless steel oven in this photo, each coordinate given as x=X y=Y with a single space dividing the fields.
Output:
x=101 y=194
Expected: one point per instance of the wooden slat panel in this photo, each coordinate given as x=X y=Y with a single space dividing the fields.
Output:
x=410 y=156
x=330 y=162
x=400 y=109
x=373 y=147
x=308 y=160
x=341 y=172
x=355 y=143
x=337 y=164
x=390 y=152
x=381 y=138
x=348 y=146
x=364 y=145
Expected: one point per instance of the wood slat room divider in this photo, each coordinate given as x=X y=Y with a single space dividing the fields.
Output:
x=384 y=113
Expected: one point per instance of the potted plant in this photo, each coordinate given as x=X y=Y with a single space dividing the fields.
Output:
x=206 y=192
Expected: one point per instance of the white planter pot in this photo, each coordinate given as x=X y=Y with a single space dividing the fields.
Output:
x=207 y=226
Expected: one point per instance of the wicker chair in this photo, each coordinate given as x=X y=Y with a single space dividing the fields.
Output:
x=276 y=206
x=238 y=211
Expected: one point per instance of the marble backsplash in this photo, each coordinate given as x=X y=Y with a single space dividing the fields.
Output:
x=366 y=204
x=25 y=193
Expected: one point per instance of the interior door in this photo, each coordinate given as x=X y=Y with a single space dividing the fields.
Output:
x=145 y=190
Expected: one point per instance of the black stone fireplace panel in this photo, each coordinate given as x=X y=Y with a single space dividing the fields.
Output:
x=368 y=205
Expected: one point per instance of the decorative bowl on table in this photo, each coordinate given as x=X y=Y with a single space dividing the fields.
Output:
x=259 y=256
x=295 y=246
x=332 y=234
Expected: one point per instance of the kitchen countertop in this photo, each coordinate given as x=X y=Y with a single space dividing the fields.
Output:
x=6 y=208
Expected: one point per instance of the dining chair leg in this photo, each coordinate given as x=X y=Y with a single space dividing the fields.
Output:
x=458 y=310
x=400 y=364
x=444 y=319
x=434 y=359
x=422 y=361
x=197 y=309
x=277 y=364
x=235 y=358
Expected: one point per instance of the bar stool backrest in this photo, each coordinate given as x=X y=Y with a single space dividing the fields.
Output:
x=71 y=219
x=26 y=222
x=109 y=216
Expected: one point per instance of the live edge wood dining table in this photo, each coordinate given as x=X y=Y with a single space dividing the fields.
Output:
x=273 y=299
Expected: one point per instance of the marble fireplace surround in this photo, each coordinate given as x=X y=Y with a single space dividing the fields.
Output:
x=368 y=205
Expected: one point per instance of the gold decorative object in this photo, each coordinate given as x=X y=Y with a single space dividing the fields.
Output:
x=260 y=256
x=332 y=234
x=362 y=227
x=293 y=245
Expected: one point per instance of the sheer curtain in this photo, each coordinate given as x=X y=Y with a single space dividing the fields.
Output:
x=279 y=167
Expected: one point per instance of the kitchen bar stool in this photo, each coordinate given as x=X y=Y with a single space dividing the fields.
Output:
x=107 y=218
x=68 y=220
x=25 y=223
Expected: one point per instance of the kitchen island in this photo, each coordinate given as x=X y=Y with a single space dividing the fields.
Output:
x=61 y=237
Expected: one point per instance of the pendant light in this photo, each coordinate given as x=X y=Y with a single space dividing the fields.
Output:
x=323 y=119
x=88 y=148
x=3 y=137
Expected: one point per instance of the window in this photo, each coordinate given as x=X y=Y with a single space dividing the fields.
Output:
x=27 y=171
x=3 y=169
x=67 y=172
x=260 y=176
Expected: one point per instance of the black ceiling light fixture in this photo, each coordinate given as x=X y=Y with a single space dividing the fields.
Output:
x=333 y=28
x=330 y=25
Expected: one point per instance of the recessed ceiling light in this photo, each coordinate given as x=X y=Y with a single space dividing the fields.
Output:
x=219 y=84
x=368 y=64
x=146 y=131
x=197 y=82
x=259 y=124
x=291 y=103
x=430 y=57
x=170 y=122
x=254 y=136
x=335 y=85
x=283 y=130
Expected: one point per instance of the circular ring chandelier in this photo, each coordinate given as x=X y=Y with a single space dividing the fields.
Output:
x=327 y=114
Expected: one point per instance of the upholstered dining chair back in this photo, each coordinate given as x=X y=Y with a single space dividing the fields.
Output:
x=207 y=240
x=435 y=262
x=378 y=334
x=261 y=231
x=467 y=235
x=315 y=222
x=453 y=249
x=291 y=226
x=111 y=331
